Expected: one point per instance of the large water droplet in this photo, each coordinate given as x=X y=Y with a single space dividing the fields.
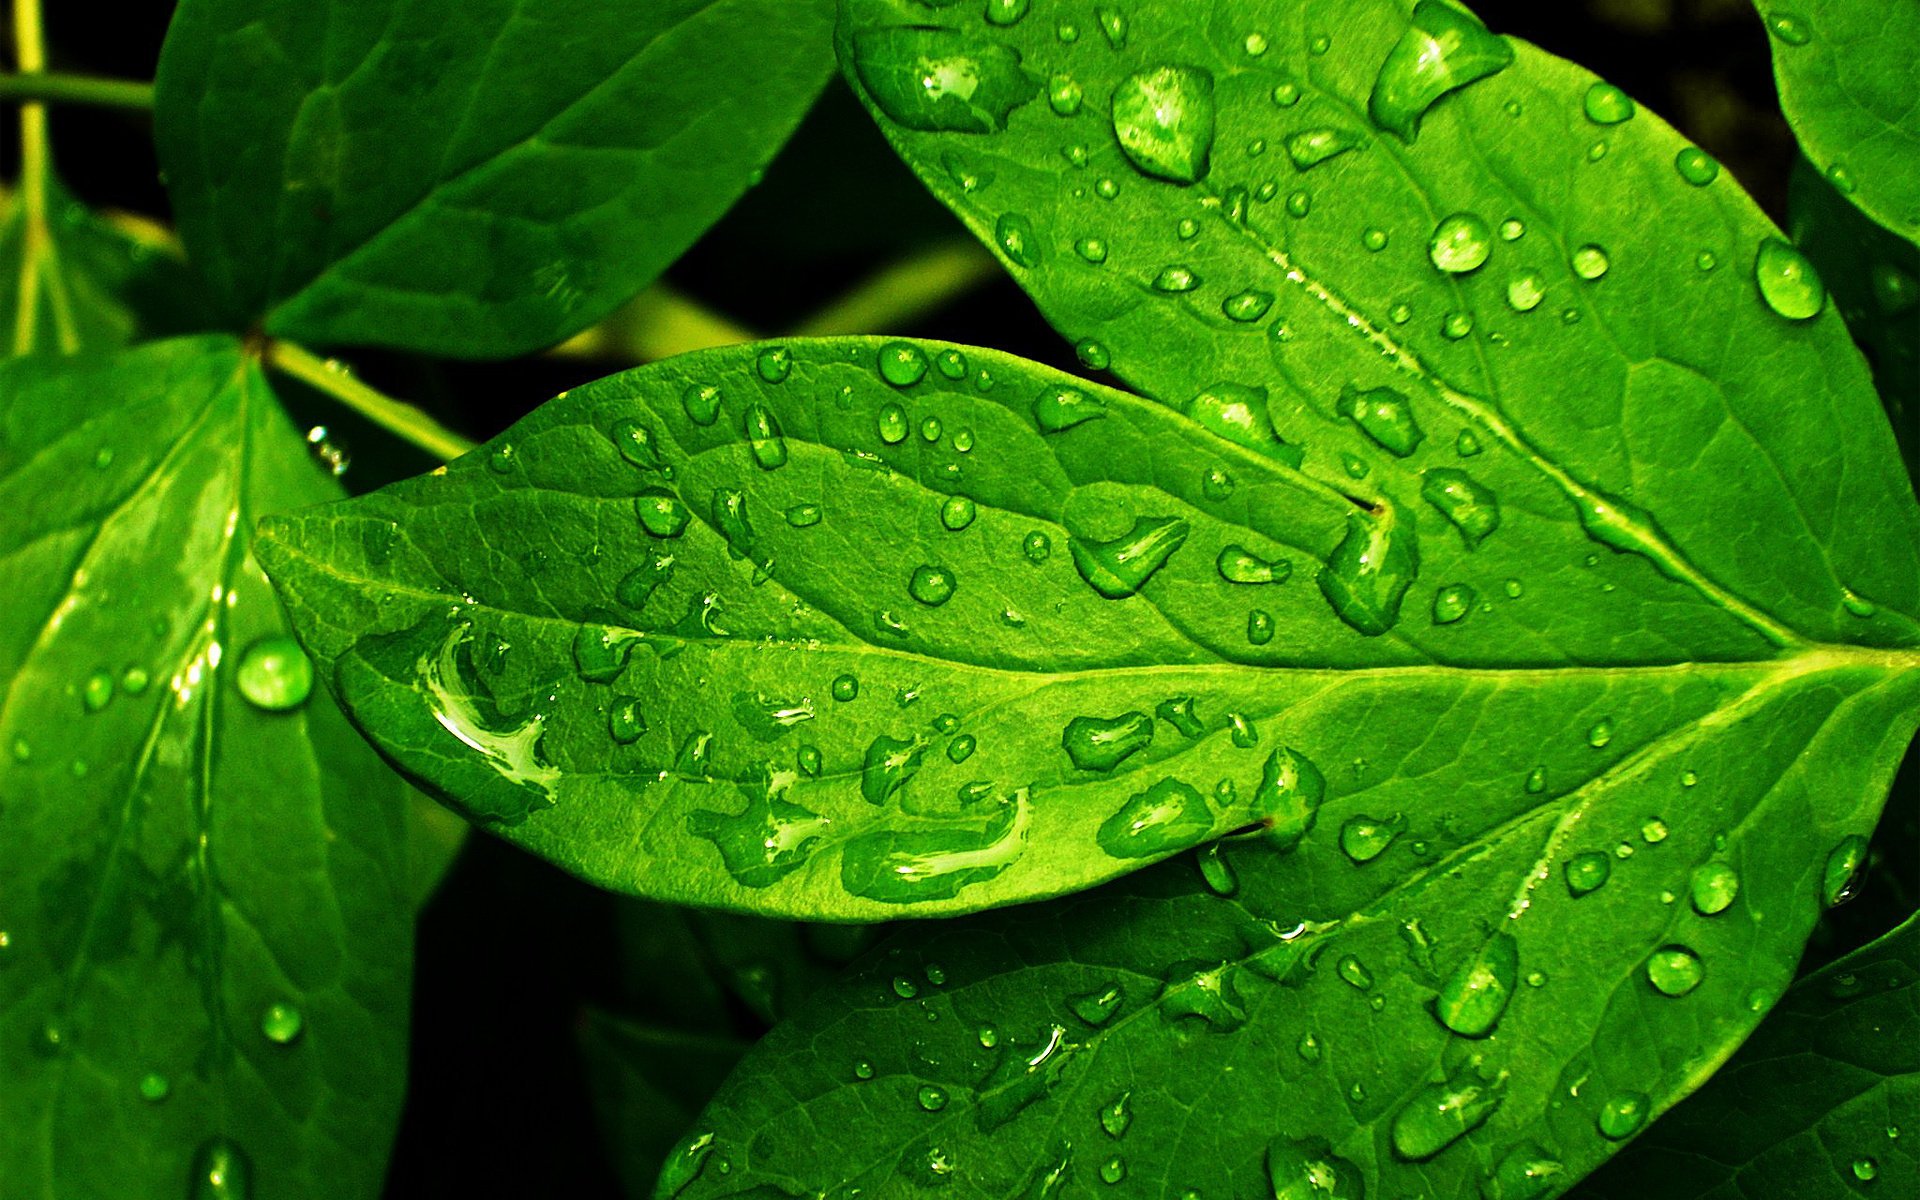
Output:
x=1097 y=1007
x=1587 y=872
x=1622 y=1115
x=1385 y=415
x=1120 y=568
x=1714 y=887
x=1440 y=1114
x=1163 y=119
x=1606 y=104
x=1460 y=243
x=763 y=438
x=1845 y=869
x=1311 y=147
x=922 y=864
x=1444 y=48
x=1526 y=1172
x=1208 y=992
x=1101 y=744
x=1237 y=564
x=1016 y=237
x=1473 y=997
x=770 y=839
x=661 y=513
x=1369 y=572
x=931 y=585
x=1168 y=816
x=887 y=766
x=935 y=80
x=275 y=674
x=1696 y=166
x=1289 y=797
x=221 y=1171
x=1471 y=508
x=282 y=1024
x=1788 y=281
x=1061 y=408
x=1452 y=603
x=1364 y=838
x=1675 y=970
x=1308 y=1169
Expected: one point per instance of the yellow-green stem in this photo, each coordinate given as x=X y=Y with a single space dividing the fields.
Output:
x=397 y=417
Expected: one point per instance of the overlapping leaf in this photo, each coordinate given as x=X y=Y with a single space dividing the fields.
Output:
x=1821 y=1104
x=473 y=177
x=204 y=924
x=1849 y=77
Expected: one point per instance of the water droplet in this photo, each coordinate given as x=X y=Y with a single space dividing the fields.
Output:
x=1239 y=414
x=661 y=513
x=155 y=1087
x=1308 y=1169
x=1452 y=603
x=1117 y=1116
x=1473 y=997
x=1789 y=28
x=1299 y=204
x=1097 y=1007
x=1308 y=1047
x=1064 y=95
x=1385 y=415
x=1289 y=797
x=1696 y=166
x=1216 y=871
x=1374 y=240
x=770 y=839
x=936 y=80
x=1207 y=992
x=1653 y=831
x=1369 y=572
x=774 y=364
x=275 y=674
x=1444 y=48
x=1113 y=25
x=1845 y=871
x=1606 y=104
x=1456 y=325
x=1120 y=568
x=1460 y=243
x=1237 y=564
x=1247 y=306
x=1440 y=1114
x=1788 y=281
x=1006 y=12
x=1600 y=733
x=1587 y=872
x=931 y=1098
x=1164 y=120
x=1866 y=1170
x=701 y=403
x=762 y=432
x=1675 y=970
x=1311 y=147
x=1058 y=409
x=1216 y=484
x=1170 y=815
x=1017 y=240
x=1526 y=1172
x=626 y=724
x=1714 y=887
x=1590 y=262
x=1622 y=1116
x=1364 y=838
x=1101 y=744
x=1471 y=508
x=221 y=1171
x=1526 y=291
x=1037 y=546
x=1093 y=249
x=1175 y=279
x=282 y=1023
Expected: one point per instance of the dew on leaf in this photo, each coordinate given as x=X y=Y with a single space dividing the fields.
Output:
x=661 y=513
x=1440 y=1114
x=1526 y=1172
x=1247 y=306
x=221 y=1171
x=1464 y=501
x=1788 y=281
x=1587 y=872
x=774 y=364
x=1310 y=147
x=1385 y=415
x=1622 y=1115
x=1288 y=798
x=1525 y=291
x=1460 y=243
x=1844 y=872
x=1119 y=568
x=957 y=512
x=275 y=674
x=1101 y=744
x=1237 y=564
x=1015 y=236
x=1308 y=1169
x=1591 y=262
x=1037 y=547
x=1472 y=999
x=1675 y=970
x=1056 y=410
x=1444 y=48
x=1364 y=838
x=1163 y=119
x=1606 y=104
x=1097 y=1007
x=282 y=1024
x=937 y=80
x=1696 y=166
x=1713 y=886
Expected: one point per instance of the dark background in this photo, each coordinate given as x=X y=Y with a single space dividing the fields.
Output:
x=512 y=952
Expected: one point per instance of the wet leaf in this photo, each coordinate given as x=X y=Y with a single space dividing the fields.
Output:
x=648 y=1084
x=1847 y=74
x=205 y=932
x=1821 y=1103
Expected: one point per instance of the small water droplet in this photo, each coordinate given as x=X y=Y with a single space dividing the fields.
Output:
x=221 y=1171
x=1587 y=872
x=1017 y=240
x=1472 y=999
x=1675 y=970
x=1093 y=249
x=1788 y=281
x=1452 y=603
x=1440 y=1114
x=1064 y=95
x=155 y=1087
x=1056 y=410
x=275 y=674
x=1606 y=104
x=1472 y=508
x=1844 y=872
x=938 y=80
x=1385 y=415
x=931 y=1098
x=774 y=364
x=1310 y=147
x=1789 y=28
x=1247 y=306
x=1526 y=1172
x=1461 y=243
x=1622 y=1115
x=1591 y=262
x=661 y=513
x=1696 y=166
x=282 y=1023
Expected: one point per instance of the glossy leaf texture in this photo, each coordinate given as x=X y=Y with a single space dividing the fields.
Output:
x=1875 y=280
x=87 y=283
x=1822 y=1103
x=1848 y=74
x=205 y=933
x=467 y=177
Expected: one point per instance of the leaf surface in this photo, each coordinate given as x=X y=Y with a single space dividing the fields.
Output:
x=648 y=1084
x=1820 y=1104
x=1875 y=280
x=205 y=932
x=1848 y=76
x=468 y=178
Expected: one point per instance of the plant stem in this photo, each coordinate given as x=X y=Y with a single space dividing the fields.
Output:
x=37 y=266
x=900 y=294
x=402 y=420
x=36 y=86
x=658 y=323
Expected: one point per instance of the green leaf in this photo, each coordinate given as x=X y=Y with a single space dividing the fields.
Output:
x=206 y=923
x=648 y=1084
x=1875 y=279
x=1848 y=75
x=1821 y=1103
x=87 y=283
x=467 y=178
